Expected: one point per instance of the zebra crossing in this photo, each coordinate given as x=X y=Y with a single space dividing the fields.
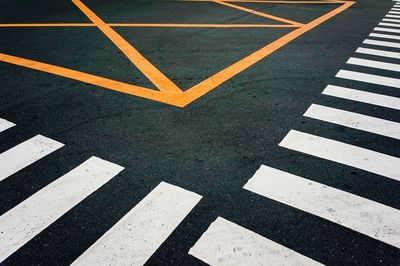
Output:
x=226 y=243
x=131 y=241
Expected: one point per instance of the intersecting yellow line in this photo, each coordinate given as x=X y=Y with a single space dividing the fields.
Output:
x=148 y=69
x=168 y=92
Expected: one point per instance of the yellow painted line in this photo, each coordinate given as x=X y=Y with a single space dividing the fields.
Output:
x=254 y=12
x=91 y=79
x=149 y=70
x=217 y=79
x=172 y=25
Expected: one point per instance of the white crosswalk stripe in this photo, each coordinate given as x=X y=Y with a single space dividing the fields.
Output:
x=354 y=120
x=30 y=217
x=4 y=125
x=377 y=52
x=373 y=64
x=369 y=78
x=392 y=16
x=382 y=43
x=385 y=36
x=365 y=216
x=391 y=20
x=390 y=24
x=140 y=232
x=386 y=29
x=363 y=96
x=343 y=153
x=226 y=243
x=26 y=153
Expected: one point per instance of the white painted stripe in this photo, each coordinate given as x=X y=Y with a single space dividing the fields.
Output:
x=362 y=215
x=395 y=9
x=354 y=120
x=385 y=36
x=26 y=153
x=369 y=78
x=30 y=217
x=371 y=161
x=386 y=29
x=228 y=244
x=389 y=24
x=141 y=232
x=394 y=12
x=4 y=125
x=392 y=16
x=378 y=52
x=391 y=20
x=363 y=96
x=382 y=43
x=374 y=64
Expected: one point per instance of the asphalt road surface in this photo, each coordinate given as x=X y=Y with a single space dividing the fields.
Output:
x=199 y=132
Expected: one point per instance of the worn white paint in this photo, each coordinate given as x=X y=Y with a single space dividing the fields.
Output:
x=133 y=239
x=362 y=215
x=354 y=120
x=26 y=153
x=33 y=215
x=228 y=244
x=4 y=125
x=343 y=153
x=363 y=96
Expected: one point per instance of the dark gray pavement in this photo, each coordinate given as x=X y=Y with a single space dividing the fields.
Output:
x=210 y=147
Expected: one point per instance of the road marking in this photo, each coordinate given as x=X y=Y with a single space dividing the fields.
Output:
x=385 y=36
x=394 y=12
x=33 y=215
x=377 y=52
x=392 y=16
x=363 y=96
x=386 y=30
x=389 y=24
x=362 y=215
x=369 y=78
x=391 y=20
x=395 y=9
x=26 y=153
x=373 y=64
x=226 y=243
x=354 y=120
x=149 y=70
x=382 y=43
x=339 y=152
x=134 y=238
x=4 y=124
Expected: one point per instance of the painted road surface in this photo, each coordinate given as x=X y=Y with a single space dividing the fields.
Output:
x=198 y=132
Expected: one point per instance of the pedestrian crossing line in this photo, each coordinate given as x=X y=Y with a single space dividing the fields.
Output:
x=382 y=43
x=226 y=243
x=354 y=120
x=392 y=16
x=391 y=20
x=394 y=12
x=4 y=124
x=374 y=64
x=369 y=78
x=30 y=217
x=343 y=153
x=26 y=153
x=395 y=9
x=390 y=24
x=363 y=96
x=378 y=52
x=133 y=239
x=385 y=36
x=362 y=215
x=386 y=30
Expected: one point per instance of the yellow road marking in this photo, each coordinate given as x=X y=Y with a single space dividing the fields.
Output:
x=149 y=70
x=169 y=93
x=254 y=12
